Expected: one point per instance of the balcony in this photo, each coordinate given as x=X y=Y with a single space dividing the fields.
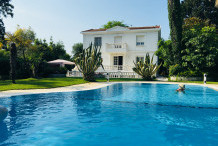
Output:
x=116 y=48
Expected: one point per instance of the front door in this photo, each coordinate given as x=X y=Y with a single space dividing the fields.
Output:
x=118 y=62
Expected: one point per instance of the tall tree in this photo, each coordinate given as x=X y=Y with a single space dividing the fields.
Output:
x=13 y=61
x=25 y=39
x=203 y=9
x=6 y=9
x=200 y=45
x=165 y=56
x=111 y=24
x=11 y=40
x=58 y=50
x=24 y=42
x=175 y=22
x=35 y=57
x=4 y=63
x=77 y=49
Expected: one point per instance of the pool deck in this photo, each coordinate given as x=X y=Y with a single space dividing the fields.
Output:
x=88 y=86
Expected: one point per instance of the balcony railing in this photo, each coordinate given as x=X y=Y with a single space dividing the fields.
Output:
x=118 y=68
x=115 y=71
x=115 y=74
x=119 y=47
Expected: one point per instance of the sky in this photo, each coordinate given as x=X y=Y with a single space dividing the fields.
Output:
x=65 y=19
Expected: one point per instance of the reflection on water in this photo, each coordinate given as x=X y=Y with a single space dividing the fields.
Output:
x=3 y=132
x=88 y=107
x=122 y=114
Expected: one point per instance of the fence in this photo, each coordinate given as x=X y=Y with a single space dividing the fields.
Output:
x=117 y=74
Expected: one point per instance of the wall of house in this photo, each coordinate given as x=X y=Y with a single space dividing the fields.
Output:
x=150 y=45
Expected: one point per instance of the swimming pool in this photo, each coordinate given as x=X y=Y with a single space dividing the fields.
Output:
x=120 y=114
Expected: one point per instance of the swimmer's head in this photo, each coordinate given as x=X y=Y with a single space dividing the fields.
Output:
x=182 y=86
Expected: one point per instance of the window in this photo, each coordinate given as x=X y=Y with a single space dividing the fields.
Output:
x=140 y=40
x=118 y=42
x=118 y=39
x=118 y=62
x=98 y=41
x=117 y=46
x=139 y=59
x=115 y=60
x=139 y=43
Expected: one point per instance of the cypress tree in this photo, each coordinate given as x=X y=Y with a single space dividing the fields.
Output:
x=13 y=61
x=175 y=22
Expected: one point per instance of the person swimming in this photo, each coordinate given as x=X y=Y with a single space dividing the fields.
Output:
x=181 y=88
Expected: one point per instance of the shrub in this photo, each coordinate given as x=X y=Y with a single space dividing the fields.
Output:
x=174 y=70
x=89 y=61
x=190 y=73
x=100 y=75
x=177 y=70
x=4 y=64
x=146 y=68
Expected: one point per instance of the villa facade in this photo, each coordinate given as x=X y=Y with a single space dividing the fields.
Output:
x=121 y=46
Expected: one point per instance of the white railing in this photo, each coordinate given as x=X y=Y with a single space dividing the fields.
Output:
x=118 y=67
x=123 y=75
x=115 y=71
x=116 y=46
x=111 y=74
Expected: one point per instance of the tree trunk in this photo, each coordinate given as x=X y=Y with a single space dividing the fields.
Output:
x=147 y=78
x=27 y=72
x=13 y=62
x=34 y=72
x=89 y=77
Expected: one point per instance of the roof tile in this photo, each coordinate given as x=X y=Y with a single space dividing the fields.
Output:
x=131 y=28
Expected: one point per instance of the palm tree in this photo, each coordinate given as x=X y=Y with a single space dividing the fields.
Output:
x=89 y=61
x=146 y=68
x=25 y=38
x=11 y=41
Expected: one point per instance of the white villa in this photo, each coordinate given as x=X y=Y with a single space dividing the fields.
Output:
x=121 y=46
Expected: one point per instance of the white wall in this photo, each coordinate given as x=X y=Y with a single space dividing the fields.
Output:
x=129 y=37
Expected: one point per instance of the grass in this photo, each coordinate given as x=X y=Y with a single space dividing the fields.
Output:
x=43 y=83
x=199 y=82
x=46 y=83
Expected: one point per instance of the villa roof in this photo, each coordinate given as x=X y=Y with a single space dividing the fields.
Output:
x=130 y=28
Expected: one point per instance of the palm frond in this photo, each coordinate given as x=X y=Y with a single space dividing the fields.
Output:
x=89 y=61
x=146 y=69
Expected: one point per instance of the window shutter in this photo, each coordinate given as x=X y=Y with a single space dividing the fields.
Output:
x=140 y=38
x=117 y=39
x=98 y=41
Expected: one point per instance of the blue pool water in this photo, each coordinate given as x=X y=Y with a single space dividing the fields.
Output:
x=120 y=114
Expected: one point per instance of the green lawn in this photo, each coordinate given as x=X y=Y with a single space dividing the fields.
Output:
x=59 y=82
x=45 y=83
x=39 y=83
x=199 y=82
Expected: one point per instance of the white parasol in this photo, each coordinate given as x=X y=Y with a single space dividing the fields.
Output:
x=61 y=62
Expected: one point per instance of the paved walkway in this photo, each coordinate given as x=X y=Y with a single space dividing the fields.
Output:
x=88 y=86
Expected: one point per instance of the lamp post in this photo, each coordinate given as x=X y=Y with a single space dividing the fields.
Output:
x=205 y=78
x=108 y=77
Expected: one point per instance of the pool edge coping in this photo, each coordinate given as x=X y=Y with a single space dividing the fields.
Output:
x=89 y=86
